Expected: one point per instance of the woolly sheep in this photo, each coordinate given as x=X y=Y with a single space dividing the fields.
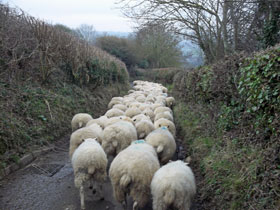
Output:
x=80 y=120
x=149 y=113
x=120 y=107
x=77 y=137
x=134 y=104
x=173 y=186
x=131 y=112
x=89 y=163
x=162 y=109
x=163 y=142
x=113 y=120
x=170 y=101
x=156 y=105
x=143 y=128
x=141 y=99
x=114 y=101
x=117 y=137
x=161 y=99
x=114 y=113
x=139 y=117
x=167 y=123
x=144 y=106
x=131 y=173
x=102 y=121
x=166 y=115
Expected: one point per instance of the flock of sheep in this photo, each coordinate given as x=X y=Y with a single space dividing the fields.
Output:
x=139 y=133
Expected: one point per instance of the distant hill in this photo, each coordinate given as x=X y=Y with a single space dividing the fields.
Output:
x=113 y=33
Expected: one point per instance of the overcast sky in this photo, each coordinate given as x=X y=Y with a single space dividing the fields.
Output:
x=102 y=14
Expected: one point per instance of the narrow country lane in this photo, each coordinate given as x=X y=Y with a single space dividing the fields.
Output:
x=48 y=184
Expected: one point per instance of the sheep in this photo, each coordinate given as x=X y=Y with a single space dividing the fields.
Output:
x=173 y=186
x=102 y=121
x=139 y=117
x=167 y=123
x=162 y=109
x=163 y=142
x=156 y=105
x=77 y=137
x=170 y=101
x=117 y=137
x=149 y=113
x=113 y=120
x=114 y=113
x=114 y=101
x=120 y=107
x=80 y=120
x=131 y=112
x=161 y=99
x=134 y=104
x=166 y=115
x=144 y=106
x=89 y=163
x=131 y=173
x=141 y=99
x=143 y=128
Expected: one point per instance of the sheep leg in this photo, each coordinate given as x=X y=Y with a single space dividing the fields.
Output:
x=124 y=203
x=100 y=190
x=135 y=205
x=82 y=196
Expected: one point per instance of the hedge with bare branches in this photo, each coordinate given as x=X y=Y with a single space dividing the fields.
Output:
x=33 y=49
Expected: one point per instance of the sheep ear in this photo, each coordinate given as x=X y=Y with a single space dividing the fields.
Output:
x=115 y=143
x=159 y=149
x=80 y=124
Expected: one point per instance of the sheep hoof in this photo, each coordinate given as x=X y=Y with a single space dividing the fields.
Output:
x=94 y=191
x=90 y=187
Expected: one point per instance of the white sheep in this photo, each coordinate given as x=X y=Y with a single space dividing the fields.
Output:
x=149 y=113
x=131 y=112
x=89 y=163
x=170 y=101
x=173 y=186
x=114 y=101
x=141 y=99
x=102 y=121
x=114 y=113
x=77 y=137
x=162 y=109
x=156 y=105
x=167 y=123
x=113 y=120
x=163 y=142
x=117 y=137
x=120 y=107
x=80 y=120
x=131 y=173
x=166 y=115
x=143 y=128
x=139 y=117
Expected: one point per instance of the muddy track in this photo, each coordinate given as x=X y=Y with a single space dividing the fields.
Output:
x=48 y=184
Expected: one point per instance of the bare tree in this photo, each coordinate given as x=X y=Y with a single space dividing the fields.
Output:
x=87 y=32
x=219 y=27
